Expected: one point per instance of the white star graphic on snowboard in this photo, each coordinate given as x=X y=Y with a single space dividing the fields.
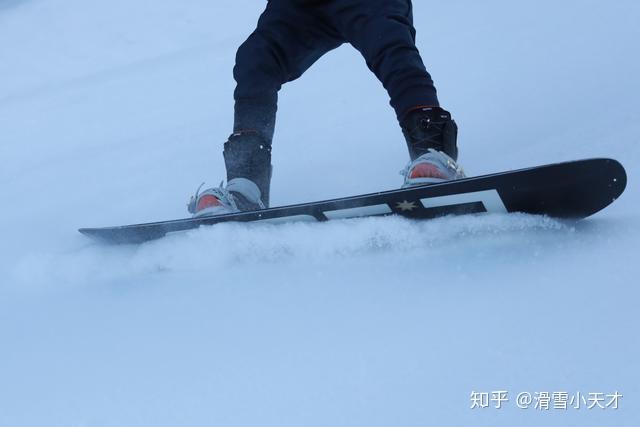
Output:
x=406 y=206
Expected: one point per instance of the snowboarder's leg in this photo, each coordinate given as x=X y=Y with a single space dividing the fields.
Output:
x=391 y=53
x=382 y=31
x=287 y=41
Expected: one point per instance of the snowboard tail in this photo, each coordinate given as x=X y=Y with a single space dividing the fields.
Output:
x=574 y=189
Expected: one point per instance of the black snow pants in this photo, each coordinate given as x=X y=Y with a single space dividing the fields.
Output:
x=291 y=35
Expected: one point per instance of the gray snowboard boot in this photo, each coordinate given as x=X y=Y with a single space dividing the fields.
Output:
x=240 y=194
x=248 y=160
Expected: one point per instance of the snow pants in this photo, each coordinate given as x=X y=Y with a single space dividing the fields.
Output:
x=291 y=36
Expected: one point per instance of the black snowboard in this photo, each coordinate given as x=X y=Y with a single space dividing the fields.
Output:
x=565 y=190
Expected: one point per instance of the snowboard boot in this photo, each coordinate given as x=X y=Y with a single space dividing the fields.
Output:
x=239 y=195
x=247 y=156
x=431 y=137
x=248 y=160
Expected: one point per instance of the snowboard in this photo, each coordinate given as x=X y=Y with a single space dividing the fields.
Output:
x=575 y=190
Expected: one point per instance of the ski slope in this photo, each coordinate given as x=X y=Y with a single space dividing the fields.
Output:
x=113 y=112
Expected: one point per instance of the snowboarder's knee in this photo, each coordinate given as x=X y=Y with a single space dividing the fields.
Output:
x=256 y=65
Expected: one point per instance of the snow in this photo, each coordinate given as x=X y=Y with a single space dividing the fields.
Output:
x=114 y=112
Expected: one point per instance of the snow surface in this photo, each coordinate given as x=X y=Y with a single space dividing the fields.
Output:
x=113 y=112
